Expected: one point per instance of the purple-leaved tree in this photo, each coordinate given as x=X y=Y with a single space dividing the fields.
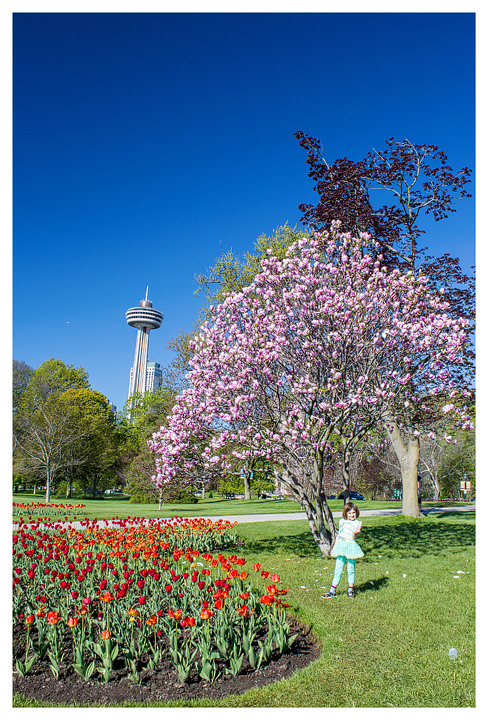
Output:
x=316 y=353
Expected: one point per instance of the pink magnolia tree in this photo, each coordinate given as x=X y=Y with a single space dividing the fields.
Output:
x=320 y=350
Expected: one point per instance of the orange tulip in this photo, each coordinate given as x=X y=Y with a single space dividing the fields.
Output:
x=53 y=617
x=244 y=611
x=206 y=614
x=151 y=620
x=72 y=622
x=266 y=599
x=106 y=634
x=29 y=620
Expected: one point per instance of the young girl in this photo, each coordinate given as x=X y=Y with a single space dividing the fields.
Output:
x=346 y=549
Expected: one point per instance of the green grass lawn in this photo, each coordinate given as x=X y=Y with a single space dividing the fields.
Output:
x=108 y=507
x=389 y=646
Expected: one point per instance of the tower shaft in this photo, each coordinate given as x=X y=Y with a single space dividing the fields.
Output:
x=144 y=318
x=138 y=378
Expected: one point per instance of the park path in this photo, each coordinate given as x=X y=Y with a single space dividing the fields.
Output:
x=337 y=514
x=297 y=516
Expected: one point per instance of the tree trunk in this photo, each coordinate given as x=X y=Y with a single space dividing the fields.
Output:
x=247 y=486
x=346 y=459
x=48 y=487
x=319 y=518
x=203 y=492
x=437 y=490
x=69 y=485
x=408 y=457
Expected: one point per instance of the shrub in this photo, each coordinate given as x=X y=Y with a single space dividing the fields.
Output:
x=139 y=494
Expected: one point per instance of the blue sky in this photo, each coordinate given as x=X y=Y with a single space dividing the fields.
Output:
x=145 y=144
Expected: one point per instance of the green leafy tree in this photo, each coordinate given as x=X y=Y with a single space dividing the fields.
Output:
x=62 y=426
x=98 y=447
x=458 y=465
x=144 y=413
x=141 y=416
x=44 y=423
x=44 y=439
x=51 y=378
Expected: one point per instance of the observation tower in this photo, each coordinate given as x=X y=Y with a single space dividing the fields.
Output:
x=144 y=318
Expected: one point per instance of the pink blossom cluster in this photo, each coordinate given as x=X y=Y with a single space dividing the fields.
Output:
x=323 y=340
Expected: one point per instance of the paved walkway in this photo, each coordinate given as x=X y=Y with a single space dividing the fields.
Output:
x=302 y=516
x=337 y=514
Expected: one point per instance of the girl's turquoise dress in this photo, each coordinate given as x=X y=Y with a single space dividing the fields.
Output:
x=345 y=545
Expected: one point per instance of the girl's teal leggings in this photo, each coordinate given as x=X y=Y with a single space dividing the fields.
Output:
x=339 y=567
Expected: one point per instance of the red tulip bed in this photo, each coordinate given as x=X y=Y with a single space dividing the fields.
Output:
x=50 y=509
x=136 y=600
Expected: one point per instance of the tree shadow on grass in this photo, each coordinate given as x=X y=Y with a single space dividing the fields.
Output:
x=412 y=537
x=301 y=545
x=403 y=537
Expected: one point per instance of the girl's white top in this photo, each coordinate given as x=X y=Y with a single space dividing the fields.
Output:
x=347 y=529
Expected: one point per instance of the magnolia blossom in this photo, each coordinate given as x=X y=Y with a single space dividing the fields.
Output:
x=324 y=342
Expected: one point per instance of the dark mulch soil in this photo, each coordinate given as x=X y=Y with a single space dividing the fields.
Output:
x=160 y=685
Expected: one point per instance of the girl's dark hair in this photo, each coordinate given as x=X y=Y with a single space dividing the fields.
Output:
x=349 y=506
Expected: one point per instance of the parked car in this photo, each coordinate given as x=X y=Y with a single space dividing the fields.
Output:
x=331 y=497
x=353 y=496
